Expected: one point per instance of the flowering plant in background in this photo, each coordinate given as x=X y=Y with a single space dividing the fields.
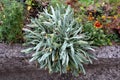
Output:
x=102 y=17
x=96 y=34
x=97 y=24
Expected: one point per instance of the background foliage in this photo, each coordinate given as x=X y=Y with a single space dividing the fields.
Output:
x=12 y=21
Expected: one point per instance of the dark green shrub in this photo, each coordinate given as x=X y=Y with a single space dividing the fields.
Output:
x=12 y=21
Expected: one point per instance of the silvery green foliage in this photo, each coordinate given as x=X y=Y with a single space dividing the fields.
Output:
x=58 y=42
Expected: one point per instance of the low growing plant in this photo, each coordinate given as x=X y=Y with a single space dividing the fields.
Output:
x=100 y=23
x=12 y=21
x=97 y=35
x=58 y=42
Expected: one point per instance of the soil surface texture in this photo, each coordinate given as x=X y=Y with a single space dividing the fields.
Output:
x=15 y=65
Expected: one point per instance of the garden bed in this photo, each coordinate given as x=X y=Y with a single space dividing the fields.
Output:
x=14 y=65
x=62 y=37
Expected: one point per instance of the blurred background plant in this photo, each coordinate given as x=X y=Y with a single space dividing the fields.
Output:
x=33 y=7
x=54 y=2
x=87 y=2
x=36 y=5
x=102 y=12
x=12 y=19
x=96 y=34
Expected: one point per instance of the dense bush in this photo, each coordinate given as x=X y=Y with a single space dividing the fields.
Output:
x=12 y=21
x=58 y=41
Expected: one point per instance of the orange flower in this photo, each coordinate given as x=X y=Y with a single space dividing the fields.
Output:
x=97 y=24
x=90 y=18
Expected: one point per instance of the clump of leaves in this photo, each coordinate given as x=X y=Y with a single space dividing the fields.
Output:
x=58 y=42
x=12 y=21
x=114 y=38
x=97 y=35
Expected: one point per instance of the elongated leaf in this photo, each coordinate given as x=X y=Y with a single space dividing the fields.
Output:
x=34 y=58
x=49 y=65
x=53 y=55
x=67 y=59
x=53 y=14
x=63 y=47
x=72 y=50
x=44 y=57
x=27 y=50
x=38 y=46
x=63 y=58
